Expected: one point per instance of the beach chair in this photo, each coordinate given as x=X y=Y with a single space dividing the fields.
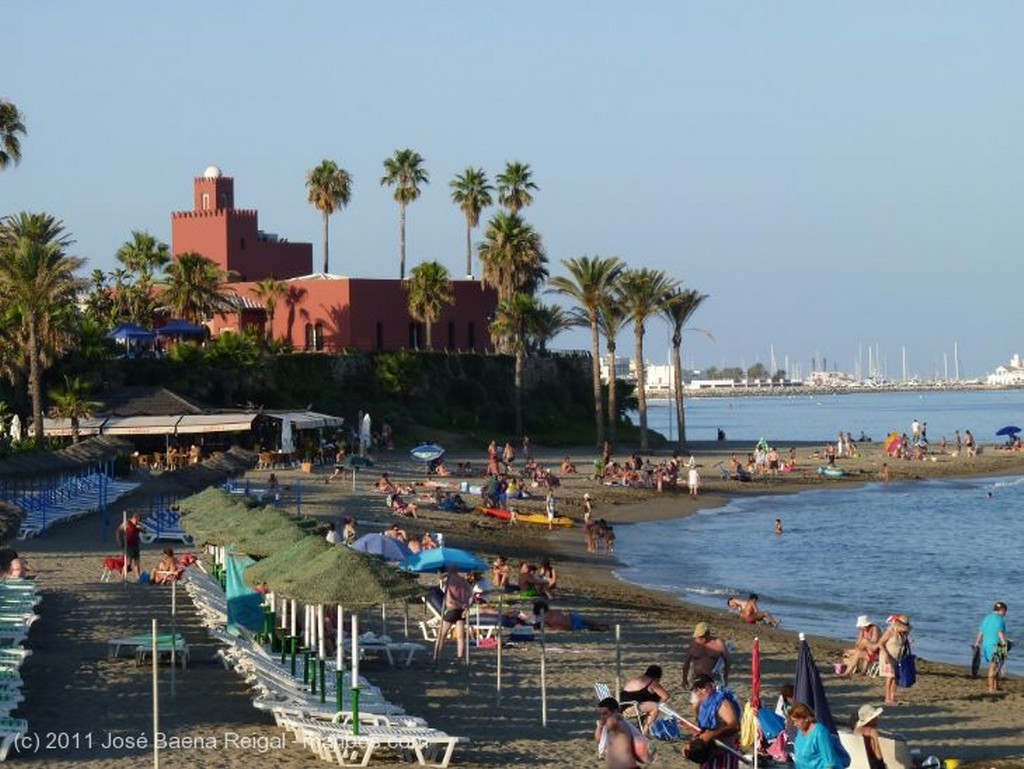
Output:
x=11 y=730
x=628 y=708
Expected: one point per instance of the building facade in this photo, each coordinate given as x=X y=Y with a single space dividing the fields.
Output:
x=317 y=313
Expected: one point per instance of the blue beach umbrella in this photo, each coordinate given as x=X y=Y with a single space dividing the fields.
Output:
x=427 y=452
x=439 y=558
x=808 y=688
x=388 y=548
x=1008 y=430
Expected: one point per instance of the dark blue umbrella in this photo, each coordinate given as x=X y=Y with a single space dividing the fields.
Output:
x=179 y=327
x=808 y=688
x=128 y=332
x=388 y=548
x=1008 y=430
x=438 y=558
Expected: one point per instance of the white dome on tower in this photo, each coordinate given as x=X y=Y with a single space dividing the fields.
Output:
x=211 y=172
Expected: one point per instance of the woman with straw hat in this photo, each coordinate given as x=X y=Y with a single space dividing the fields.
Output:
x=867 y=727
x=891 y=646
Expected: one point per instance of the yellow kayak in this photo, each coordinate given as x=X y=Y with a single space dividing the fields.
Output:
x=542 y=520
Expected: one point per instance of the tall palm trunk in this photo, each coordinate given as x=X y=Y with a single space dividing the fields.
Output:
x=595 y=373
x=35 y=383
x=469 y=250
x=401 y=242
x=429 y=333
x=613 y=401
x=641 y=395
x=677 y=392
x=326 y=241
x=520 y=357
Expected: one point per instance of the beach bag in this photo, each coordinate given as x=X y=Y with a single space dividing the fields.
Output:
x=701 y=751
x=906 y=671
x=906 y=667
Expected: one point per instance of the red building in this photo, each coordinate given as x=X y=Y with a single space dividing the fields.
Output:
x=231 y=236
x=325 y=313
x=330 y=313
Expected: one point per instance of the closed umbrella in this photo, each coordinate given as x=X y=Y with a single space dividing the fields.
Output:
x=808 y=687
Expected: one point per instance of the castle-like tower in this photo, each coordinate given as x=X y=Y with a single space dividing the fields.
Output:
x=231 y=236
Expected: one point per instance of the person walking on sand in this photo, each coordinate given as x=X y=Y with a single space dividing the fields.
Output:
x=993 y=644
x=457 y=596
x=706 y=655
x=614 y=736
x=549 y=507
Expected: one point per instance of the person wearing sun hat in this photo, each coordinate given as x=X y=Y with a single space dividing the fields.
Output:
x=705 y=655
x=891 y=645
x=859 y=658
x=867 y=727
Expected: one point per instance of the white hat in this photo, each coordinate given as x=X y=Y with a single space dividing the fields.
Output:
x=867 y=714
x=863 y=621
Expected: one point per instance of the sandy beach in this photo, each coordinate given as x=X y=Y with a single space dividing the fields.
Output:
x=88 y=710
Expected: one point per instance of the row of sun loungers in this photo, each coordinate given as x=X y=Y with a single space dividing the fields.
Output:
x=165 y=526
x=18 y=600
x=330 y=734
x=66 y=501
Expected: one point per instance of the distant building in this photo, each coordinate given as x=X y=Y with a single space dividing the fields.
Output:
x=1011 y=375
x=318 y=313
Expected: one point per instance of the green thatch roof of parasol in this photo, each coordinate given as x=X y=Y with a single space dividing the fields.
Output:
x=282 y=568
x=355 y=580
x=270 y=532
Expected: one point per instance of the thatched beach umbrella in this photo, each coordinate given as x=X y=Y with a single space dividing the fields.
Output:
x=280 y=570
x=216 y=523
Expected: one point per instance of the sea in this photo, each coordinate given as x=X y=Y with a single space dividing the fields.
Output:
x=940 y=551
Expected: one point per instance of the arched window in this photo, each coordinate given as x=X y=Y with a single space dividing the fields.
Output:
x=310 y=338
x=318 y=337
x=206 y=201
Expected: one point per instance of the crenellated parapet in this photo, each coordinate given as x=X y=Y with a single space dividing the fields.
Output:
x=242 y=213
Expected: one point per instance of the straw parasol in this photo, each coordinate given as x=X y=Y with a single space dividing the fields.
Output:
x=280 y=570
x=355 y=580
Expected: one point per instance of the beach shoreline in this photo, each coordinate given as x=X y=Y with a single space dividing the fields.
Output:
x=654 y=626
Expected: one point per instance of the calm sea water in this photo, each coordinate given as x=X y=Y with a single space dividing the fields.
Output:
x=820 y=417
x=940 y=551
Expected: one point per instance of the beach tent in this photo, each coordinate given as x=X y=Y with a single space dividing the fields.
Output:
x=176 y=328
x=129 y=332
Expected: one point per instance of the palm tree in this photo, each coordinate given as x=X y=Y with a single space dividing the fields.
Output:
x=590 y=282
x=270 y=292
x=681 y=305
x=512 y=321
x=611 y=317
x=545 y=324
x=643 y=293
x=515 y=185
x=330 y=188
x=72 y=402
x=513 y=256
x=404 y=171
x=143 y=256
x=11 y=125
x=193 y=288
x=472 y=192
x=37 y=281
x=430 y=292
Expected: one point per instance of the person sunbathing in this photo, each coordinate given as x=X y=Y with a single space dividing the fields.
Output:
x=168 y=569
x=499 y=572
x=558 y=621
x=385 y=486
x=400 y=507
x=568 y=467
x=865 y=651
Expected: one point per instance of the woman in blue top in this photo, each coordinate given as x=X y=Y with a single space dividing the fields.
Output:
x=814 y=747
x=992 y=639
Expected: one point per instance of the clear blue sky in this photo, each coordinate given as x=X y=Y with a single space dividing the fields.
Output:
x=835 y=176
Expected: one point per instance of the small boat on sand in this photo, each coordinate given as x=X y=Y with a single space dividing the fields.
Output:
x=831 y=472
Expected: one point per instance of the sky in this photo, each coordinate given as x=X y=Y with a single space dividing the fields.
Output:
x=837 y=177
